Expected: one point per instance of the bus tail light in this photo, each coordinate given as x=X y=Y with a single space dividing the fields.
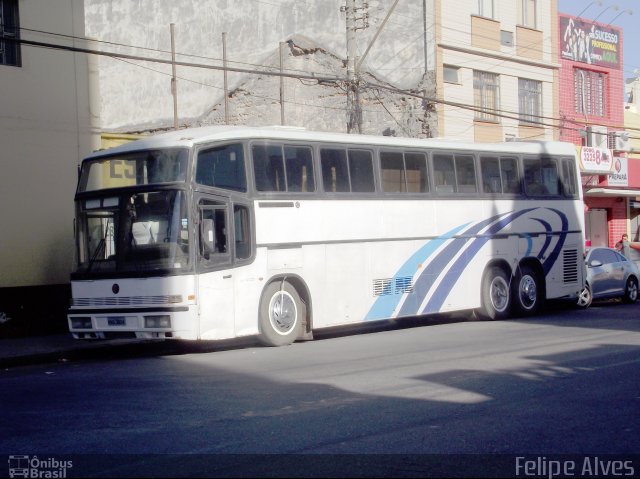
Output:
x=159 y=321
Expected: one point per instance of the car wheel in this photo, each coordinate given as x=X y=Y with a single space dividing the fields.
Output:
x=631 y=291
x=585 y=298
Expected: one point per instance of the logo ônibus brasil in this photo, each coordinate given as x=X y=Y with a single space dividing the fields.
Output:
x=33 y=466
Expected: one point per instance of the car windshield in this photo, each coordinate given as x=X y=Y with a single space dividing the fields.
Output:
x=133 y=233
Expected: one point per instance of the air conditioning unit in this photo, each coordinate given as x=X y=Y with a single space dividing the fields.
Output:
x=598 y=137
x=619 y=141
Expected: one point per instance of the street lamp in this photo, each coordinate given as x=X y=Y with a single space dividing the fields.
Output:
x=597 y=2
x=630 y=12
x=615 y=8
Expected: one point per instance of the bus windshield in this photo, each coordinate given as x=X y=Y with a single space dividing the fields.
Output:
x=133 y=233
x=134 y=169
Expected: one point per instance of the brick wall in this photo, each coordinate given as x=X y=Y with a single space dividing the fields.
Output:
x=616 y=216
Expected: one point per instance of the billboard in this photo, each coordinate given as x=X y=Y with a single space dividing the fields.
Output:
x=595 y=160
x=591 y=43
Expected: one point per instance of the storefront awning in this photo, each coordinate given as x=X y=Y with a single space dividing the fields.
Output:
x=611 y=192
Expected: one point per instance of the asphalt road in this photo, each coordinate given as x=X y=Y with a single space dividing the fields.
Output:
x=391 y=402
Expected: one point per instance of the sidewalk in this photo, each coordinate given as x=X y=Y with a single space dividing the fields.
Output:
x=62 y=347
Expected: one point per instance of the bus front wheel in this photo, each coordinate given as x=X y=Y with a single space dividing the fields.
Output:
x=496 y=300
x=282 y=313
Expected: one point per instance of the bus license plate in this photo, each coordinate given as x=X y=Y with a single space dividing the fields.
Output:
x=116 y=321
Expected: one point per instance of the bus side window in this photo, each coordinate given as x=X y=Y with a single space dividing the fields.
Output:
x=361 y=171
x=465 y=174
x=335 y=173
x=299 y=165
x=533 y=183
x=213 y=234
x=490 y=169
x=242 y=231
x=444 y=174
x=268 y=167
x=416 y=172
x=392 y=171
x=569 y=177
x=510 y=177
x=222 y=167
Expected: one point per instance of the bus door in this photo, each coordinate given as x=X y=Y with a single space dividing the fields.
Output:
x=215 y=273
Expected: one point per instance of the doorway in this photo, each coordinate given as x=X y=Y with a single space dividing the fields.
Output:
x=596 y=228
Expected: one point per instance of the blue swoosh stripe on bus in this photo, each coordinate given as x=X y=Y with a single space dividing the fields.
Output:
x=385 y=305
x=455 y=271
x=547 y=241
x=426 y=279
x=529 y=243
x=551 y=260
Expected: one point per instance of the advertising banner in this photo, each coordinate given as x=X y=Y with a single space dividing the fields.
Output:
x=620 y=174
x=595 y=160
x=586 y=42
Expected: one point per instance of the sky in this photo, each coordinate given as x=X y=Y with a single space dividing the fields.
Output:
x=622 y=14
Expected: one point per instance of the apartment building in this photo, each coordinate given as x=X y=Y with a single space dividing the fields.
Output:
x=45 y=128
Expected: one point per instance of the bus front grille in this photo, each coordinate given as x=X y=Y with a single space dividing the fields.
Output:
x=124 y=301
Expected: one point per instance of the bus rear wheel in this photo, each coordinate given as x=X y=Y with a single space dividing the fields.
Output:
x=281 y=315
x=527 y=292
x=496 y=301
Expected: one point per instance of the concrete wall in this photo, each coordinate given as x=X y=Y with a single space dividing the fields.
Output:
x=136 y=94
x=44 y=131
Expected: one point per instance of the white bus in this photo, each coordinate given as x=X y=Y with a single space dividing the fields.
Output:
x=222 y=232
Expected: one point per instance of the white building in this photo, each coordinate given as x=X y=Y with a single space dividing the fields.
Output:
x=44 y=132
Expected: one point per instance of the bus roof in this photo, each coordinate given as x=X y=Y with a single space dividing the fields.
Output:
x=190 y=137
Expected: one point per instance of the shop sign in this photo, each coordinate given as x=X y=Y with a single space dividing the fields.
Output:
x=586 y=42
x=595 y=160
x=620 y=174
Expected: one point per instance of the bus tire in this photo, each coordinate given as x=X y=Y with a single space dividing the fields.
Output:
x=281 y=315
x=527 y=292
x=496 y=300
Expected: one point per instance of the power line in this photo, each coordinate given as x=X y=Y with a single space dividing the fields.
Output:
x=89 y=51
x=337 y=81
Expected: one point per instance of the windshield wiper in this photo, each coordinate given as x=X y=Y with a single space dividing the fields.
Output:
x=100 y=248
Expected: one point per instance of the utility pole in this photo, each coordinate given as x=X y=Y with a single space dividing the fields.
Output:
x=424 y=39
x=280 y=52
x=354 y=111
x=226 y=85
x=174 y=87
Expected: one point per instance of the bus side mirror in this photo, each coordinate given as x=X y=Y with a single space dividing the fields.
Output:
x=207 y=237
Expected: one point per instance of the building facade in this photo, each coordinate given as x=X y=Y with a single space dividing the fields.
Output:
x=498 y=57
x=592 y=115
x=45 y=128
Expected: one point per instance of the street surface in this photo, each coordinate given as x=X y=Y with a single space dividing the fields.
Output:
x=566 y=382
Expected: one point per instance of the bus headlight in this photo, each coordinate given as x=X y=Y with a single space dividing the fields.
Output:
x=81 y=323
x=159 y=321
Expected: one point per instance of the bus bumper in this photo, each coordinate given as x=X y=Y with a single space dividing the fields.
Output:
x=179 y=322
